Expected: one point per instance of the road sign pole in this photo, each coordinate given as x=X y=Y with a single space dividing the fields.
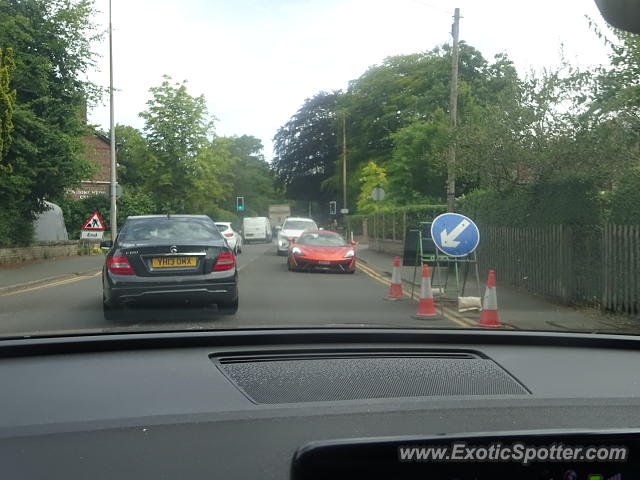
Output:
x=112 y=139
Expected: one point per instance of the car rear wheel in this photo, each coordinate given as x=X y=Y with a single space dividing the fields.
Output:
x=228 y=308
x=110 y=312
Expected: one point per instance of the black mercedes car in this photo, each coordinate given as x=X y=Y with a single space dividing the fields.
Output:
x=161 y=259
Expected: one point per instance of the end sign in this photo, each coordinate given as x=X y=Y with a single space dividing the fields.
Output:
x=93 y=228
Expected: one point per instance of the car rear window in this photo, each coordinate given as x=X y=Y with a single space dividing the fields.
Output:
x=254 y=221
x=222 y=227
x=168 y=231
x=298 y=225
x=322 y=240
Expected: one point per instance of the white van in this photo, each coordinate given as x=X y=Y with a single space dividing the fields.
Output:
x=256 y=229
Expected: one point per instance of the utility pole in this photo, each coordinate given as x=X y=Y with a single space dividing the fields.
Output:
x=453 y=111
x=344 y=161
x=112 y=135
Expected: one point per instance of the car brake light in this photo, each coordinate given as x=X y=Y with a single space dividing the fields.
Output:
x=225 y=261
x=119 y=266
x=228 y=234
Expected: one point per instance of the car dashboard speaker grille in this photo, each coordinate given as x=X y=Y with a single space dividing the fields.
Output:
x=333 y=377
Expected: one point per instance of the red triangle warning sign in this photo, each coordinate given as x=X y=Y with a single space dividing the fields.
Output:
x=94 y=222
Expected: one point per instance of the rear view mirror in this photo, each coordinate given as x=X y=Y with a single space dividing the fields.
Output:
x=624 y=14
x=106 y=244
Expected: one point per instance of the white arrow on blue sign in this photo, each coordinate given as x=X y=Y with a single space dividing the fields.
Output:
x=454 y=234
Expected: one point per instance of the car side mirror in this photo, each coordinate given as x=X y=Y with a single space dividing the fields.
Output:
x=106 y=244
x=292 y=240
x=278 y=228
x=353 y=242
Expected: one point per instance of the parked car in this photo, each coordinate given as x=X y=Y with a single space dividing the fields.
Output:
x=256 y=229
x=160 y=259
x=233 y=238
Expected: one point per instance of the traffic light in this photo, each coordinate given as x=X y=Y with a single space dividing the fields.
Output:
x=332 y=208
x=240 y=204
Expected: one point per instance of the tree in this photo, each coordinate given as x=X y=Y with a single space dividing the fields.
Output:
x=395 y=115
x=136 y=161
x=417 y=170
x=370 y=177
x=7 y=100
x=51 y=43
x=252 y=177
x=178 y=130
x=306 y=149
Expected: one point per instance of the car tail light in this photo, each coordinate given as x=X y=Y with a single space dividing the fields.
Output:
x=119 y=266
x=230 y=234
x=225 y=261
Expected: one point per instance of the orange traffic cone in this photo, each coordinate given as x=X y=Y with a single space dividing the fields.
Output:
x=426 y=306
x=489 y=315
x=395 y=289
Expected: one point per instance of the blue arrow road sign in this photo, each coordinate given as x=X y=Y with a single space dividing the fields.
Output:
x=454 y=234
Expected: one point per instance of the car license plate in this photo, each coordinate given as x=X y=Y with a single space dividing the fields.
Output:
x=173 y=262
x=324 y=262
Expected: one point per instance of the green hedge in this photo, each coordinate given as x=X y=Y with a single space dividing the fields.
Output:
x=16 y=227
x=625 y=200
x=568 y=201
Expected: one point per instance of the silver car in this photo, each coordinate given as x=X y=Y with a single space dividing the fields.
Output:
x=292 y=228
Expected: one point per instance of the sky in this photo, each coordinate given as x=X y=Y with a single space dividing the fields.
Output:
x=256 y=61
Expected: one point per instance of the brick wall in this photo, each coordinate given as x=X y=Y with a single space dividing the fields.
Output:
x=97 y=150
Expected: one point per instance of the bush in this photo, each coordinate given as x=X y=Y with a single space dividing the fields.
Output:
x=625 y=200
x=134 y=202
x=569 y=201
x=489 y=207
x=16 y=227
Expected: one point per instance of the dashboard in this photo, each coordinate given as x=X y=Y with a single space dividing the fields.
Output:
x=282 y=403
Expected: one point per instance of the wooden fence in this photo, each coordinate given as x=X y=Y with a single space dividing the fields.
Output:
x=530 y=259
x=621 y=267
x=595 y=265
x=586 y=265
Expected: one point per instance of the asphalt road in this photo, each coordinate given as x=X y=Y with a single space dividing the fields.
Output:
x=270 y=296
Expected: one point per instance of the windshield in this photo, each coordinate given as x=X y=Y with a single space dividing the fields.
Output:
x=321 y=240
x=479 y=161
x=298 y=225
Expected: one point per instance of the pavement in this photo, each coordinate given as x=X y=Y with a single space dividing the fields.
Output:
x=517 y=309
x=22 y=275
x=62 y=296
